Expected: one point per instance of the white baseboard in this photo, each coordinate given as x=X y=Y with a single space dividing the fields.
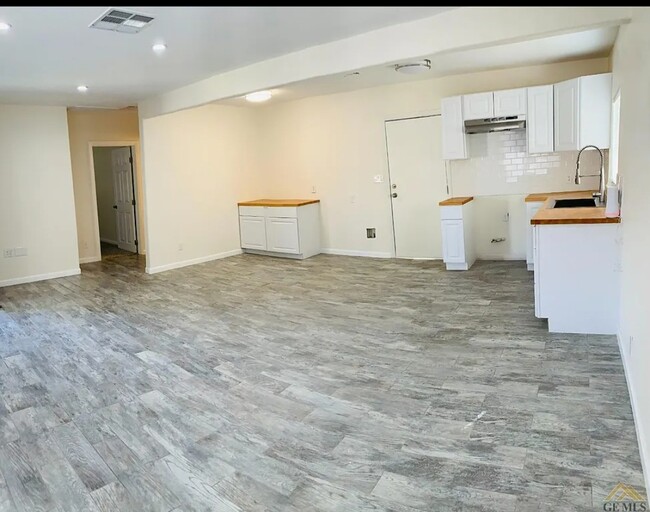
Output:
x=643 y=451
x=90 y=259
x=457 y=266
x=40 y=277
x=365 y=254
x=107 y=241
x=195 y=261
x=500 y=257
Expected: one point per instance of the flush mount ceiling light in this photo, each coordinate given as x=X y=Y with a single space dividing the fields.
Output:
x=4 y=27
x=259 y=96
x=82 y=88
x=414 y=68
x=159 y=47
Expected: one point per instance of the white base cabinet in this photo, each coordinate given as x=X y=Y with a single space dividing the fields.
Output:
x=290 y=232
x=457 y=226
x=577 y=274
x=531 y=210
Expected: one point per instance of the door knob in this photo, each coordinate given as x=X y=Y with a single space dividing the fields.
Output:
x=394 y=194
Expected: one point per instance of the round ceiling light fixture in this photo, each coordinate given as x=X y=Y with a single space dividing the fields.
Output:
x=259 y=96
x=4 y=27
x=159 y=47
x=414 y=68
x=82 y=88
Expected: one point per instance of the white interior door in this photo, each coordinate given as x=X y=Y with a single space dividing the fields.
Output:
x=417 y=185
x=124 y=204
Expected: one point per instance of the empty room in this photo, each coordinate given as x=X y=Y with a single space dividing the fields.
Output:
x=324 y=259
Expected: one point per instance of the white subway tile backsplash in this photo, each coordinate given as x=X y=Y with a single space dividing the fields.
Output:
x=505 y=155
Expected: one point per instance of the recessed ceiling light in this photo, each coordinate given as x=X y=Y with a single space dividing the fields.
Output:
x=82 y=88
x=159 y=47
x=259 y=96
x=414 y=68
x=4 y=26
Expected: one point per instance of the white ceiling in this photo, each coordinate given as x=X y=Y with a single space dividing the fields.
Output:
x=557 y=48
x=51 y=50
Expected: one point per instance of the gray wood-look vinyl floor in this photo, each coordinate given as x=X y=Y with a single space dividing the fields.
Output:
x=330 y=384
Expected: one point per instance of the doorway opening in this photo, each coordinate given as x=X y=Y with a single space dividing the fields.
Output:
x=418 y=181
x=117 y=209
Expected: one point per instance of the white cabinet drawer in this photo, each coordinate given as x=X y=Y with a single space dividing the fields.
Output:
x=451 y=212
x=252 y=211
x=282 y=211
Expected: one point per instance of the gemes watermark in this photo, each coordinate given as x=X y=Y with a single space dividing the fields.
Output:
x=625 y=498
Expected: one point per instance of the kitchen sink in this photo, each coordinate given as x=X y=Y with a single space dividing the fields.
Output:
x=574 y=203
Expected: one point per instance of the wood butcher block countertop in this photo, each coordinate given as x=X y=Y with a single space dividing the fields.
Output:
x=456 y=201
x=279 y=202
x=587 y=215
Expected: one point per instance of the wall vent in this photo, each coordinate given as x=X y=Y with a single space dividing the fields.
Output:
x=119 y=20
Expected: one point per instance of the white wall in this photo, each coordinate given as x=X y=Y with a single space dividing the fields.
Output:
x=88 y=126
x=631 y=69
x=200 y=163
x=36 y=198
x=336 y=144
x=103 y=164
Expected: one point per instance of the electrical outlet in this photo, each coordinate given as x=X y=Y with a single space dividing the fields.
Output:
x=378 y=178
x=8 y=253
x=371 y=233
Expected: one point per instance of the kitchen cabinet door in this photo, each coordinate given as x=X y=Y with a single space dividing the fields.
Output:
x=567 y=114
x=453 y=241
x=252 y=231
x=454 y=143
x=282 y=235
x=478 y=106
x=539 y=121
x=511 y=102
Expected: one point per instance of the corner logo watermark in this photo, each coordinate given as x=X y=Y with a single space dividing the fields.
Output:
x=625 y=498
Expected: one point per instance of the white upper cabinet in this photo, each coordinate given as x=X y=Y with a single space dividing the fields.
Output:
x=511 y=102
x=582 y=112
x=454 y=145
x=539 y=121
x=566 y=114
x=478 y=106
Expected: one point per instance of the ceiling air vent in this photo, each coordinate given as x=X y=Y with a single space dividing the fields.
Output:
x=118 y=20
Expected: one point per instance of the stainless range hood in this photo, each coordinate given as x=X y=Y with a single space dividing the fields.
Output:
x=495 y=124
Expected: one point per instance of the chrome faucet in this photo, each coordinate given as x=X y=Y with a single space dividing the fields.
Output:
x=602 y=192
